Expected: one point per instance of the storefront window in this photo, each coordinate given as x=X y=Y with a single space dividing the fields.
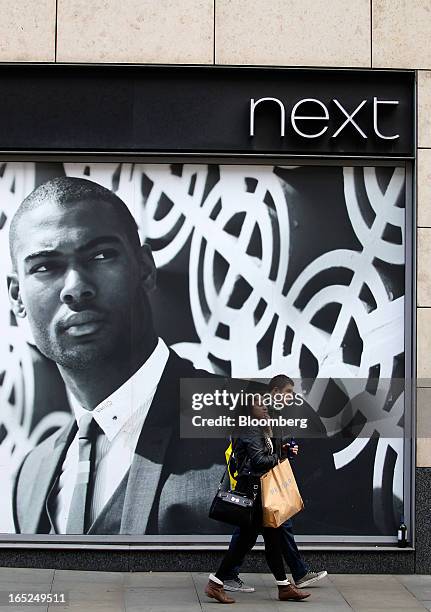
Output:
x=262 y=269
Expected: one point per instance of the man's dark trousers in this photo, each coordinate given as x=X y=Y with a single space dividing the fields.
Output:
x=290 y=550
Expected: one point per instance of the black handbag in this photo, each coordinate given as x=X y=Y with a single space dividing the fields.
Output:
x=232 y=507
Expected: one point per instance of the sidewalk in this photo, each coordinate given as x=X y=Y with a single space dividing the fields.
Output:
x=183 y=592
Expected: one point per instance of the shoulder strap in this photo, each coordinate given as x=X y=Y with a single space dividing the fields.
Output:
x=228 y=464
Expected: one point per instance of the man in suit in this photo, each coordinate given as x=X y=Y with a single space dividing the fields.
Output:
x=81 y=278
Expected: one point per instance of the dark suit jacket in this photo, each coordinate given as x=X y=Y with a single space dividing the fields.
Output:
x=171 y=480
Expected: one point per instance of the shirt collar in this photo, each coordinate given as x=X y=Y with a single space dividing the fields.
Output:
x=117 y=409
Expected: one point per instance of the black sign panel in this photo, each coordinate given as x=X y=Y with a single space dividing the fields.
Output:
x=206 y=109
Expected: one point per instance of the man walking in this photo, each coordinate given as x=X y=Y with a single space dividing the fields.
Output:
x=281 y=386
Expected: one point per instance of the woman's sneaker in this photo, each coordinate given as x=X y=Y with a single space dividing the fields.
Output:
x=237 y=585
x=310 y=578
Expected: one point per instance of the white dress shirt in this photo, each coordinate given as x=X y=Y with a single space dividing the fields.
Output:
x=121 y=417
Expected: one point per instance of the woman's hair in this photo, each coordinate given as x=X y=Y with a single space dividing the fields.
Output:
x=256 y=392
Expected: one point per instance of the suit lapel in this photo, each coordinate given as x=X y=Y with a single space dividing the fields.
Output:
x=150 y=452
x=49 y=468
x=143 y=481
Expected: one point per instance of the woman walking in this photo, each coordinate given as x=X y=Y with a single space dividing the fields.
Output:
x=255 y=454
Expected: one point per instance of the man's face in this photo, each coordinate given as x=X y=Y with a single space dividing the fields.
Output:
x=80 y=283
x=288 y=394
x=284 y=396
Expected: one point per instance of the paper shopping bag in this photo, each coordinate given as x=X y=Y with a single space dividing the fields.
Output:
x=280 y=495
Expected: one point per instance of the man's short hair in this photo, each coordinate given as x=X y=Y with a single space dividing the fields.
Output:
x=67 y=190
x=280 y=381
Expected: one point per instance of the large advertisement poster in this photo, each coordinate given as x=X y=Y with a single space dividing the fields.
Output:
x=258 y=270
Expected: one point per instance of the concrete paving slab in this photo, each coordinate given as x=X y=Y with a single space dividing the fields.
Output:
x=239 y=606
x=161 y=596
x=268 y=602
x=16 y=588
x=419 y=586
x=357 y=579
x=388 y=607
x=93 y=577
x=183 y=592
x=160 y=580
x=90 y=606
x=371 y=592
x=86 y=594
x=385 y=600
x=17 y=608
x=22 y=586
x=421 y=593
x=27 y=576
x=25 y=587
x=424 y=579
x=373 y=598
x=172 y=608
x=102 y=591
x=310 y=606
x=326 y=594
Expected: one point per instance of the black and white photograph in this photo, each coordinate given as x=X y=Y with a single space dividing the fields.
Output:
x=121 y=279
x=215 y=305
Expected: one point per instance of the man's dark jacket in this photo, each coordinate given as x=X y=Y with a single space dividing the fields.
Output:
x=170 y=484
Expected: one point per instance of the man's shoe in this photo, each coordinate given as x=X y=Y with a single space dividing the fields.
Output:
x=237 y=585
x=289 y=592
x=216 y=591
x=310 y=578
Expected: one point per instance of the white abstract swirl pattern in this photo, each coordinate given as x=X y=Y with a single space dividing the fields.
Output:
x=234 y=223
